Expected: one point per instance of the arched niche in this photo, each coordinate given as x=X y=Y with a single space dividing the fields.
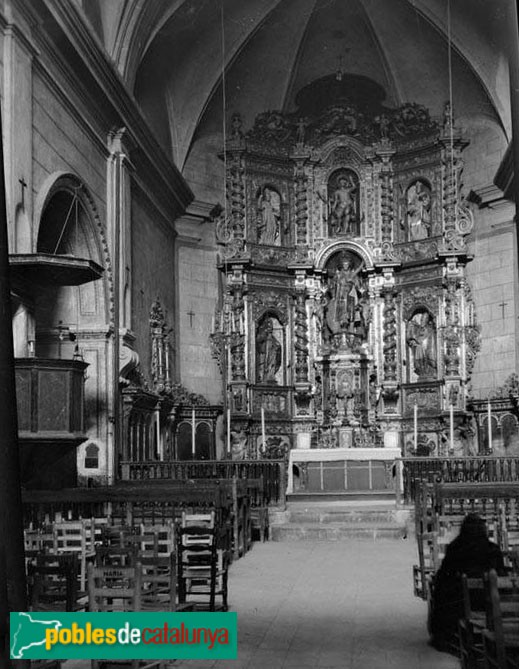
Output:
x=421 y=344
x=343 y=189
x=269 y=216
x=184 y=441
x=269 y=350
x=418 y=210
x=345 y=292
x=203 y=441
x=68 y=226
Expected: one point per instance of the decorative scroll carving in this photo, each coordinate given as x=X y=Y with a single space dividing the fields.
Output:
x=420 y=296
x=180 y=395
x=273 y=300
x=424 y=248
x=473 y=341
x=276 y=130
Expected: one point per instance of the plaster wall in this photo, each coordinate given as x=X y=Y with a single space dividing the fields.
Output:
x=152 y=272
x=197 y=298
x=492 y=273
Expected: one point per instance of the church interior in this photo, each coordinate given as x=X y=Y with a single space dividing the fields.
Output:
x=269 y=245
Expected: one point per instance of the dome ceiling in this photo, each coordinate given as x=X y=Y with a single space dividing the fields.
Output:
x=269 y=51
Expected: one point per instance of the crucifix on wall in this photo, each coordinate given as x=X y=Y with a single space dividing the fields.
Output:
x=190 y=313
x=502 y=305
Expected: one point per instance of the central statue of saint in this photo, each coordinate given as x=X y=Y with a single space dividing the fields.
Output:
x=344 y=310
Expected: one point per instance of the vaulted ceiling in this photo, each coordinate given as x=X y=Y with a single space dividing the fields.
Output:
x=176 y=55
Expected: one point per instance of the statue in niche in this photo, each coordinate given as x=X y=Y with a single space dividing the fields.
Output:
x=343 y=214
x=418 y=211
x=421 y=338
x=268 y=353
x=345 y=393
x=238 y=444
x=269 y=214
x=344 y=312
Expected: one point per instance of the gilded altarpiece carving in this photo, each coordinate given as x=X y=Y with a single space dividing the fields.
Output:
x=342 y=249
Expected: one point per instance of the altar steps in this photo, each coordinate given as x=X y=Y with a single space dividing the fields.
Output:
x=340 y=521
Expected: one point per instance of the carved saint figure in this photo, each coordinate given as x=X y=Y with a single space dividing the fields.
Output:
x=418 y=207
x=268 y=216
x=342 y=206
x=346 y=292
x=238 y=444
x=268 y=353
x=421 y=338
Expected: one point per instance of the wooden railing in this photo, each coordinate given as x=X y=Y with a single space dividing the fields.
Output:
x=270 y=472
x=477 y=469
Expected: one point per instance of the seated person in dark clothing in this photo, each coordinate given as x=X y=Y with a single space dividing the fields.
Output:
x=471 y=553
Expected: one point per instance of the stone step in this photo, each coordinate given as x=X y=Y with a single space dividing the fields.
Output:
x=335 y=531
x=343 y=516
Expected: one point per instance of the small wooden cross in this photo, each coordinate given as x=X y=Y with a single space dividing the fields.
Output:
x=24 y=186
x=502 y=305
x=191 y=314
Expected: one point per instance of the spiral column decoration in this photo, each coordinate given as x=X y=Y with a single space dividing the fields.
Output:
x=301 y=206
x=301 y=338
x=390 y=337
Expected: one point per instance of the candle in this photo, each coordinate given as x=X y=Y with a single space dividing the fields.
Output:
x=229 y=432
x=229 y=368
x=452 y=425
x=489 y=420
x=157 y=427
x=263 y=428
x=415 y=426
x=193 y=432
x=212 y=324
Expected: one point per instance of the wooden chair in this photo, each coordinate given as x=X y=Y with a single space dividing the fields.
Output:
x=116 y=556
x=473 y=623
x=260 y=526
x=202 y=566
x=71 y=537
x=501 y=636
x=53 y=583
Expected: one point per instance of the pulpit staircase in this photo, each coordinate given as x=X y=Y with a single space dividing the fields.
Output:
x=341 y=521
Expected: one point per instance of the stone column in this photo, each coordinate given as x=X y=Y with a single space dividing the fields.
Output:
x=18 y=54
x=119 y=234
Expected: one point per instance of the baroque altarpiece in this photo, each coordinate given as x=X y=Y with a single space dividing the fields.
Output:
x=345 y=306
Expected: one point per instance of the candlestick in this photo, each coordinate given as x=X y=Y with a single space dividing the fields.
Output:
x=229 y=432
x=193 y=431
x=452 y=426
x=415 y=426
x=263 y=428
x=157 y=428
x=229 y=368
x=212 y=324
x=489 y=420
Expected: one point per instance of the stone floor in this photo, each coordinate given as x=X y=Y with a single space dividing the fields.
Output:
x=346 y=604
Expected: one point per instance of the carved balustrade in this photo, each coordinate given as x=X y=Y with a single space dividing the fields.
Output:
x=271 y=472
x=477 y=469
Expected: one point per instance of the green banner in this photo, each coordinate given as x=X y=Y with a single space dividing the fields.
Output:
x=121 y=636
